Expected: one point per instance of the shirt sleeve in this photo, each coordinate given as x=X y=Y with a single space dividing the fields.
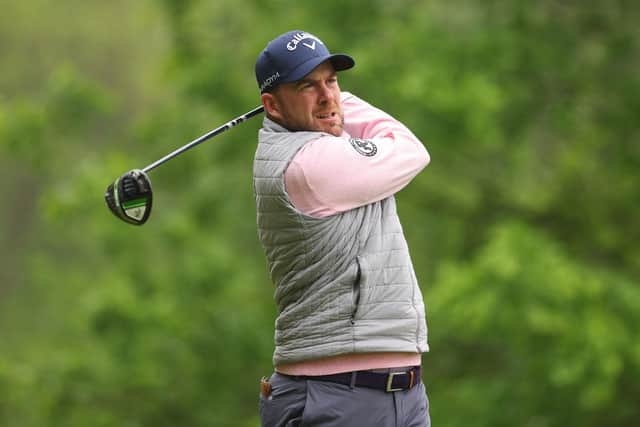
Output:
x=375 y=157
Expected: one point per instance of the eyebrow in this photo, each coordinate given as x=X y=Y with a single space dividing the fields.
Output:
x=308 y=80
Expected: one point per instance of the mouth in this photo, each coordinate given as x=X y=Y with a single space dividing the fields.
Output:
x=327 y=116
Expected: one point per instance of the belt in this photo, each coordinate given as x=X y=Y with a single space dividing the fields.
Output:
x=389 y=381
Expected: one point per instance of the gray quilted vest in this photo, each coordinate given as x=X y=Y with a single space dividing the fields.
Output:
x=344 y=283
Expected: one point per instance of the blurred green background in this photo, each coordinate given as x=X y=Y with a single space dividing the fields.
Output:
x=524 y=229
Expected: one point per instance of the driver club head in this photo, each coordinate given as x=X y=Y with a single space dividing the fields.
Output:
x=130 y=197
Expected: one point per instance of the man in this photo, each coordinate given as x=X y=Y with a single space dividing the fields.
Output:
x=351 y=322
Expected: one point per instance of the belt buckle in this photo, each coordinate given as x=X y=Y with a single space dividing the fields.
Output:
x=392 y=375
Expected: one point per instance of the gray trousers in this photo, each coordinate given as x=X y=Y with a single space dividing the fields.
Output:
x=295 y=402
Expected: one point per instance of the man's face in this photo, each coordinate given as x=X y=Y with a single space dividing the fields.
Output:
x=310 y=104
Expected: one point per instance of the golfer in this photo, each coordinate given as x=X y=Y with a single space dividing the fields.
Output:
x=351 y=322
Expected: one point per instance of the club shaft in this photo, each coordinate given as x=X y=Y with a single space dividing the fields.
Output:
x=208 y=135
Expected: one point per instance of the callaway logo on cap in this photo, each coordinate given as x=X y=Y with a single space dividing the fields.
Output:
x=293 y=55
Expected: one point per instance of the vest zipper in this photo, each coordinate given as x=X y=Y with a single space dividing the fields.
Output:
x=355 y=292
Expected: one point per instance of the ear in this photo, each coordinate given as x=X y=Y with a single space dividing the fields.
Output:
x=271 y=106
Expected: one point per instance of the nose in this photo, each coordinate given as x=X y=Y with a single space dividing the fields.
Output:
x=325 y=94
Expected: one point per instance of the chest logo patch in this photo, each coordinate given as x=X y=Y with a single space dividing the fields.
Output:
x=364 y=146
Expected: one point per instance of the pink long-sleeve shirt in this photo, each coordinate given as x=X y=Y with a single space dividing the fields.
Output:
x=376 y=156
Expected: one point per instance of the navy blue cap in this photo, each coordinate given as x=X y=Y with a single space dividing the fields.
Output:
x=293 y=55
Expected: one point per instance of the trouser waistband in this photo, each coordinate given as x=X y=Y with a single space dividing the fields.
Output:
x=396 y=380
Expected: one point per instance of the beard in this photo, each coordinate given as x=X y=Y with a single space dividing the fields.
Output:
x=333 y=126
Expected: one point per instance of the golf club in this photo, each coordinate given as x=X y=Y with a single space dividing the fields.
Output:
x=130 y=196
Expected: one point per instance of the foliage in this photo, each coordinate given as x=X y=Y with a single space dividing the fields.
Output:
x=523 y=230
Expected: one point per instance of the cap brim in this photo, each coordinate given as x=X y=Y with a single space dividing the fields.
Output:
x=339 y=61
x=342 y=62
